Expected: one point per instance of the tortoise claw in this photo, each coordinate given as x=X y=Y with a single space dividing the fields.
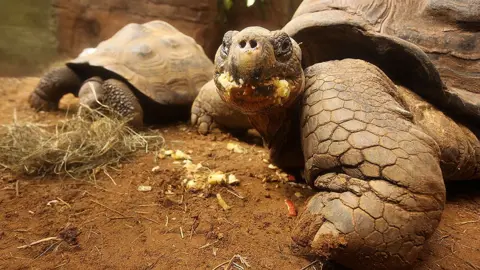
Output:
x=200 y=119
x=40 y=104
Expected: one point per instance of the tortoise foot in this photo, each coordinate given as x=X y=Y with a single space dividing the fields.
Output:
x=358 y=225
x=209 y=112
x=52 y=87
x=202 y=120
x=39 y=103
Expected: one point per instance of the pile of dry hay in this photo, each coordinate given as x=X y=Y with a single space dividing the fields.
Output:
x=78 y=146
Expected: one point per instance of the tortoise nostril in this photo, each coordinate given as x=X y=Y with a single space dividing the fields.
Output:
x=253 y=43
x=243 y=44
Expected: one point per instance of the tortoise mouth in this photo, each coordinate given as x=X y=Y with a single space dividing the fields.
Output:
x=258 y=96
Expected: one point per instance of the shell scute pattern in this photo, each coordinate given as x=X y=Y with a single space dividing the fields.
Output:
x=157 y=59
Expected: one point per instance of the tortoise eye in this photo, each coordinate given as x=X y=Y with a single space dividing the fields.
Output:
x=226 y=43
x=286 y=45
x=283 y=46
x=224 y=48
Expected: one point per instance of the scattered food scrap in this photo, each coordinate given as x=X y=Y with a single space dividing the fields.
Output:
x=292 y=212
x=142 y=188
x=179 y=155
x=222 y=203
x=217 y=178
x=235 y=148
x=156 y=169
x=232 y=180
x=271 y=166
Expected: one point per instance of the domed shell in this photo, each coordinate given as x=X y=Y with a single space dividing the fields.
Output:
x=406 y=40
x=157 y=59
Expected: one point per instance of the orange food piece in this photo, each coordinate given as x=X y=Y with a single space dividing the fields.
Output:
x=292 y=212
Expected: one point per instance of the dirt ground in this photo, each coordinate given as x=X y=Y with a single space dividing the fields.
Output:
x=111 y=225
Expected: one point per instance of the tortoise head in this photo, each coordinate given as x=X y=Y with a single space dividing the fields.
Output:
x=257 y=70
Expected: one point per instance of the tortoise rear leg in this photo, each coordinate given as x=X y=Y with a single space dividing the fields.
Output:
x=91 y=93
x=52 y=87
x=210 y=111
x=112 y=93
x=381 y=190
x=459 y=146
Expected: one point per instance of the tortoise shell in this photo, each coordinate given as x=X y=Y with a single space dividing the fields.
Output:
x=157 y=59
x=429 y=46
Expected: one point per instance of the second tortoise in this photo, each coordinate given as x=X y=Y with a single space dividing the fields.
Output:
x=151 y=72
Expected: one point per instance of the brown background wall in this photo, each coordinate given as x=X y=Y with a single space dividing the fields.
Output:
x=35 y=31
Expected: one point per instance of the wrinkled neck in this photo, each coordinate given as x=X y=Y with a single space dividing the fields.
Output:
x=271 y=125
x=280 y=130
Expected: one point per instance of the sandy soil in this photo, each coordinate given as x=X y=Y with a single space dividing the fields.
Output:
x=109 y=225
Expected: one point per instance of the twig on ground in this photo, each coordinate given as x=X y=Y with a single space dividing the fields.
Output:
x=113 y=210
x=148 y=205
x=235 y=194
x=312 y=264
x=152 y=220
x=209 y=244
x=111 y=178
x=467 y=222
x=40 y=241
x=220 y=265
x=194 y=226
x=231 y=262
x=115 y=218
x=17 y=192
x=49 y=248
x=64 y=202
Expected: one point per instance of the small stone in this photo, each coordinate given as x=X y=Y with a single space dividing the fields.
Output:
x=156 y=169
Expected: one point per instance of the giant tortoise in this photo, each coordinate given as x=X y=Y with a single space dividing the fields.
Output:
x=148 y=71
x=368 y=118
x=446 y=30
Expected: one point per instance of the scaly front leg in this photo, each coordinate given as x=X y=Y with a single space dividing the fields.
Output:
x=210 y=111
x=381 y=187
